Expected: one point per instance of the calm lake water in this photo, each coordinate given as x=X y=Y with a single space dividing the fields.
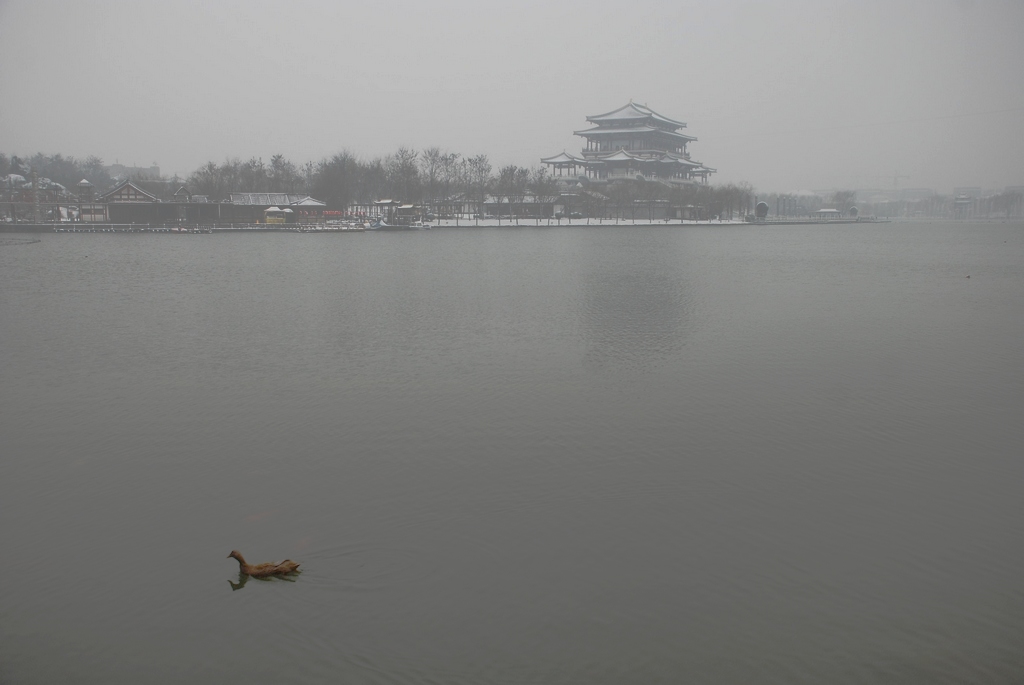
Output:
x=536 y=455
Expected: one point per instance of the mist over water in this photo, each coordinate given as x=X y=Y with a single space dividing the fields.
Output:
x=536 y=455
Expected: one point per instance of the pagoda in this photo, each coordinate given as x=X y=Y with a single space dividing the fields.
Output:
x=632 y=143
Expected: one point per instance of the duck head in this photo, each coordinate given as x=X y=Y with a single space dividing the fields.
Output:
x=236 y=555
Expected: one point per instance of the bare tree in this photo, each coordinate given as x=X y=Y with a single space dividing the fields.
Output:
x=431 y=162
x=510 y=185
x=844 y=199
x=372 y=182
x=207 y=180
x=336 y=180
x=479 y=180
x=623 y=195
x=283 y=176
x=450 y=177
x=404 y=174
x=543 y=187
x=650 y=192
x=519 y=187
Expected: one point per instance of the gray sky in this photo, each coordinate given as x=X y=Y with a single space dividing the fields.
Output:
x=784 y=95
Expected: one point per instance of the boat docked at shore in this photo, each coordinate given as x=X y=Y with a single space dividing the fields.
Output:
x=398 y=216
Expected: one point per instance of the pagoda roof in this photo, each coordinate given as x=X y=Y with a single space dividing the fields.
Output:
x=634 y=112
x=627 y=156
x=620 y=156
x=562 y=158
x=671 y=159
x=608 y=130
x=130 y=185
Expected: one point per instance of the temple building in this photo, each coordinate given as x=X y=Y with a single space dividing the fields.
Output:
x=632 y=142
x=155 y=203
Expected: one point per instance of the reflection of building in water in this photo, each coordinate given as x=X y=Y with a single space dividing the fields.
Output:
x=633 y=143
x=637 y=310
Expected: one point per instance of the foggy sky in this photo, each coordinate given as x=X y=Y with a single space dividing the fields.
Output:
x=784 y=95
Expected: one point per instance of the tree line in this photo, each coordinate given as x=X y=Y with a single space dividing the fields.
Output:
x=427 y=176
x=433 y=176
x=430 y=176
x=67 y=171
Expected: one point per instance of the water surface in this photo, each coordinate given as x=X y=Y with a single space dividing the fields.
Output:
x=534 y=455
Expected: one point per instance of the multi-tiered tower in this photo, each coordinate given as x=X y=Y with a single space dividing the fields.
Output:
x=629 y=143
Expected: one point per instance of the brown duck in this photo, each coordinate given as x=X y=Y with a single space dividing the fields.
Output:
x=286 y=567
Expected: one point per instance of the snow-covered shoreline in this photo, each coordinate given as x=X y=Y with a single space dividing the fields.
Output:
x=579 y=223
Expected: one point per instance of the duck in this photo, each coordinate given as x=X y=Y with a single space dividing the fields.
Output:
x=286 y=567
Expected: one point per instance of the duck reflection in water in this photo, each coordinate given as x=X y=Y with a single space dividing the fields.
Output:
x=244 y=578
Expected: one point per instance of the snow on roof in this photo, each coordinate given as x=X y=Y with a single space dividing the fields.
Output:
x=605 y=130
x=128 y=183
x=669 y=159
x=563 y=158
x=634 y=112
x=267 y=199
x=620 y=156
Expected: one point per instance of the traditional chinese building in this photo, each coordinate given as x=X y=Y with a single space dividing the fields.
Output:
x=251 y=207
x=137 y=202
x=632 y=142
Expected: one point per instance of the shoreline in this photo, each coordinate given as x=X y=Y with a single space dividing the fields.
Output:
x=67 y=227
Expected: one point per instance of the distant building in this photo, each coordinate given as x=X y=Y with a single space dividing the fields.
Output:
x=251 y=207
x=131 y=202
x=145 y=202
x=87 y=209
x=965 y=204
x=914 y=194
x=972 y=192
x=1013 y=199
x=121 y=171
x=629 y=143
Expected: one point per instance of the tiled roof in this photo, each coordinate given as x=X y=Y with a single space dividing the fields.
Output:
x=562 y=158
x=635 y=112
x=268 y=199
x=606 y=130
x=130 y=185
